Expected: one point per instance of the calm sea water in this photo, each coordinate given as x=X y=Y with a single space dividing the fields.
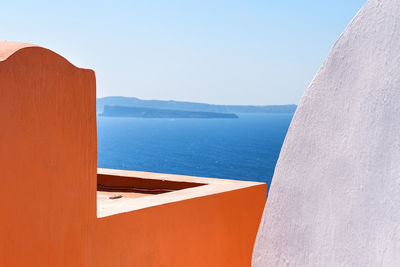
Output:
x=244 y=149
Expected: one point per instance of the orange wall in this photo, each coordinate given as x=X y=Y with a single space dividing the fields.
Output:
x=48 y=185
x=47 y=160
x=217 y=230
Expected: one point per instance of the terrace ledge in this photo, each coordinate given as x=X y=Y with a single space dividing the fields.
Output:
x=205 y=187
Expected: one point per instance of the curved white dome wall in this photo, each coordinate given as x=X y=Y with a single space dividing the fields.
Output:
x=335 y=195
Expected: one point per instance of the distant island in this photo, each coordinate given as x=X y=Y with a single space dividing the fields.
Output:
x=140 y=112
x=190 y=106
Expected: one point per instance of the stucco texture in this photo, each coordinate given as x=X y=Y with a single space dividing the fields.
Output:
x=335 y=195
x=47 y=157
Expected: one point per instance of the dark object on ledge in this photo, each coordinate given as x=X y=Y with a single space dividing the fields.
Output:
x=115 y=197
x=140 y=112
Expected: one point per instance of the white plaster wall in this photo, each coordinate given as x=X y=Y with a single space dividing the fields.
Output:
x=335 y=195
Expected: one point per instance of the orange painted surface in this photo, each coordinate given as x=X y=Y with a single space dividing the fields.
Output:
x=47 y=159
x=48 y=174
x=217 y=230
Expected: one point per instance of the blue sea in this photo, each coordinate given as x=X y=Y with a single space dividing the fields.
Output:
x=244 y=149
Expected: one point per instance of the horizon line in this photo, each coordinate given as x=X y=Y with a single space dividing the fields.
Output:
x=191 y=101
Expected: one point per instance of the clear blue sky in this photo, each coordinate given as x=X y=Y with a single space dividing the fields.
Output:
x=227 y=52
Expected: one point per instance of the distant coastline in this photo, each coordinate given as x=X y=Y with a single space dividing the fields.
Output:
x=171 y=108
x=141 y=112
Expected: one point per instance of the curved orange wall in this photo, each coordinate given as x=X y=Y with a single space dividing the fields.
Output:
x=47 y=159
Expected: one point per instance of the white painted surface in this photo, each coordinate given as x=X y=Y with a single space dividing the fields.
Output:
x=335 y=196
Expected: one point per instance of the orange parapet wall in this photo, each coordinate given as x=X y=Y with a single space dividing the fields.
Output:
x=214 y=224
x=52 y=214
x=47 y=158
